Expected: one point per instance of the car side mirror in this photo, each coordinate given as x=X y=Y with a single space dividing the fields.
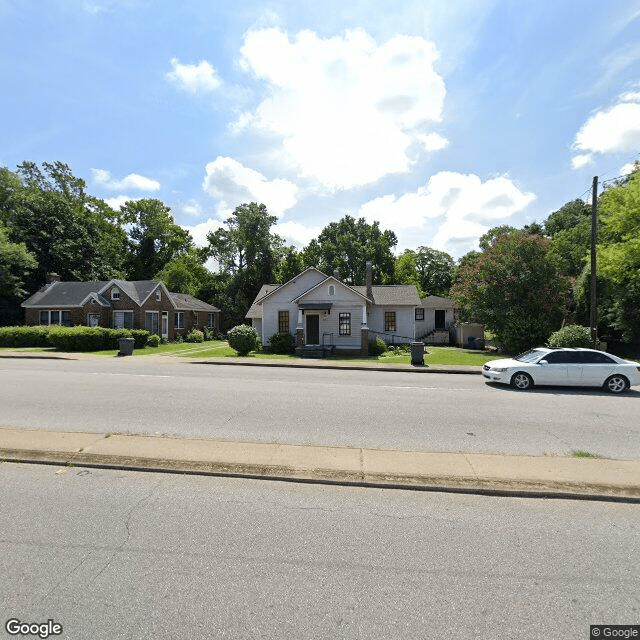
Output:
x=543 y=362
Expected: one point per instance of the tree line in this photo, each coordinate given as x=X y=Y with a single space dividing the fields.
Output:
x=523 y=283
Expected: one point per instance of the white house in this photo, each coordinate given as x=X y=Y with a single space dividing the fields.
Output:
x=322 y=311
x=434 y=316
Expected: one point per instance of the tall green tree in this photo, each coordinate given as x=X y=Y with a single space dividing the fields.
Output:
x=69 y=232
x=155 y=238
x=405 y=270
x=435 y=271
x=186 y=273
x=515 y=290
x=618 y=259
x=247 y=254
x=289 y=266
x=347 y=245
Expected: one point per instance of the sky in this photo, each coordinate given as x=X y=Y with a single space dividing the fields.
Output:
x=437 y=119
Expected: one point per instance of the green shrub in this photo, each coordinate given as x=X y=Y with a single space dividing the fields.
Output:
x=377 y=347
x=153 y=340
x=178 y=339
x=93 y=338
x=282 y=343
x=24 y=336
x=573 y=335
x=243 y=339
x=141 y=336
x=76 y=338
x=194 y=336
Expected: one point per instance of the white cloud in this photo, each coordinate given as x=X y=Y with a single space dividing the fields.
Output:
x=194 y=78
x=462 y=207
x=613 y=130
x=345 y=109
x=132 y=181
x=581 y=160
x=432 y=141
x=628 y=168
x=199 y=231
x=119 y=201
x=234 y=184
x=300 y=234
x=192 y=208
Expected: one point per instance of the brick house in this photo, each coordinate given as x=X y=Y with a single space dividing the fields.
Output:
x=139 y=304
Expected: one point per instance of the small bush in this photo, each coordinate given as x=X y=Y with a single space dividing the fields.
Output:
x=243 y=339
x=24 y=336
x=153 y=340
x=178 y=339
x=573 y=335
x=195 y=335
x=377 y=347
x=282 y=343
x=141 y=336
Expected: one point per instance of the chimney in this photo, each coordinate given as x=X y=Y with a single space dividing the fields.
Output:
x=52 y=277
x=369 y=280
x=336 y=274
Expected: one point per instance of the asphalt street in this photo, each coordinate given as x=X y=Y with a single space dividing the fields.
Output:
x=389 y=410
x=112 y=555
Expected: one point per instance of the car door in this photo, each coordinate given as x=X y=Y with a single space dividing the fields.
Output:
x=555 y=369
x=597 y=367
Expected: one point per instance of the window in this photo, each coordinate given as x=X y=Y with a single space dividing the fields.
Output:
x=123 y=319
x=93 y=320
x=332 y=289
x=344 y=324
x=390 y=321
x=179 y=318
x=55 y=317
x=211 y=321
x=195 y=318
x=158 y=295
x=283 y=321
x=115 y=294
x=151 y=321
x=419 y=313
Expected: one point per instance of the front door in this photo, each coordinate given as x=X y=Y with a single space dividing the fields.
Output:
x=313 y=329
x=440 y=319
x=165 y=325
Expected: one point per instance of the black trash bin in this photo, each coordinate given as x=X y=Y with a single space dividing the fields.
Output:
x=417 y=353
x=126 y=346
x=471 y=342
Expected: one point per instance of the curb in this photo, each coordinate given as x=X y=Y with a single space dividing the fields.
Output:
x=498 y=487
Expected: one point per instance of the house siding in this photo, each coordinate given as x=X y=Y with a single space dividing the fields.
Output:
x=405 y=324
x=281 y=299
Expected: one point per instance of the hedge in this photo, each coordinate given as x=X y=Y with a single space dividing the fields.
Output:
x=24 y=336
x=70 y=338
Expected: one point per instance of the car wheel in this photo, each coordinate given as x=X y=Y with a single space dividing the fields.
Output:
x=521 y=381
x=616 y=384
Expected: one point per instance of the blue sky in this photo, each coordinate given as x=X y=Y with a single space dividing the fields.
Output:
x=439 y=119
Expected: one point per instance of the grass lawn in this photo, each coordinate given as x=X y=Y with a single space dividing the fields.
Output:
x=220 y=349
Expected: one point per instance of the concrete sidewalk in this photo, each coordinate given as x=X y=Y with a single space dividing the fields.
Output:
x=483 y=473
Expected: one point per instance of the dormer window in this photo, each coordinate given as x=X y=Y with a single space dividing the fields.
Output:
x=115 y=294
x=158 y=295
x=332 y=289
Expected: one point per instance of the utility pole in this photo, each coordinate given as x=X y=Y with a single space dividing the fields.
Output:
x=593 y=316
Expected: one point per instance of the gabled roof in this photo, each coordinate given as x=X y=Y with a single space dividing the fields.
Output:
x=185 y=301
x=437 y=302
x=324 y=282
x=385 y=295
x=260 y=298
x=65 y=294
x=255 y=310
x=75 y=294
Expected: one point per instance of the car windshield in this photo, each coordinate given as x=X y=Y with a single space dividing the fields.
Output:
x=529 y=356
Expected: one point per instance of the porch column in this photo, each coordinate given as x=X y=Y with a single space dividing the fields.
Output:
x=364 y=333
x=300 y=331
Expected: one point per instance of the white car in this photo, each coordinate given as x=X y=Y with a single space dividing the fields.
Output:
x=567 y=367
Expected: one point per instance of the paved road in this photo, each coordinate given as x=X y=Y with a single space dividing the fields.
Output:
x=114 y=555
x=372 y=409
